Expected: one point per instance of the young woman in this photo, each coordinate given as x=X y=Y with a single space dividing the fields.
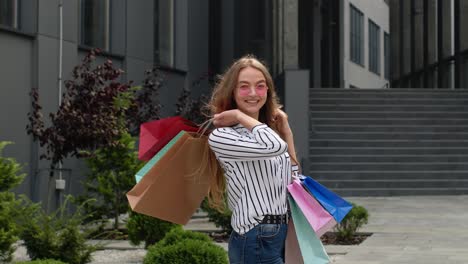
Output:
x=253 y=143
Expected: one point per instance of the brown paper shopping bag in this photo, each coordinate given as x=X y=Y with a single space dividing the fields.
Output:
x=175 y=186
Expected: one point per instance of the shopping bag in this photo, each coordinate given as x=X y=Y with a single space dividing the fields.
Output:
x=334 y=204
x=156 y=134
x=176 y=184
x=311 y=248
x=156 y=157
x=292 y=252
x=320 y=220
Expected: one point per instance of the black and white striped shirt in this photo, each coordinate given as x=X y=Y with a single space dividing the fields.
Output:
x=257 y=167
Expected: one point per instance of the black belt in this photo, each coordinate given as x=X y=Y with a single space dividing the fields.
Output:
x=276 y=219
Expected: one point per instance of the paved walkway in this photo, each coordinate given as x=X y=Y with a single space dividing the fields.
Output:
x=423 y=229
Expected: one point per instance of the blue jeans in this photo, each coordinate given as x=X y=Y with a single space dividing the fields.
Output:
x=262 y=244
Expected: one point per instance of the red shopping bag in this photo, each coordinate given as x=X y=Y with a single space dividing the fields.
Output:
x=156 y=134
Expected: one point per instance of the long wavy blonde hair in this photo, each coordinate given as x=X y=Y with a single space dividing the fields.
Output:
x=222 y=99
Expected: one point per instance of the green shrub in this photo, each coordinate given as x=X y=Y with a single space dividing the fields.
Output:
x=220 y=219
x=8 y=232
x=179 y=234
x=146 y=228
x=9 y=178
x=41 y=261
x=57 y=236
x=112 y=175
x=181 y=247
x=356 y=218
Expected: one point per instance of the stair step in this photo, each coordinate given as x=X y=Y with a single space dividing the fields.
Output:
x=388 y=108
x=389 y=128
x=388 y=151
x=389 y=166
x=372 y=94
x=314 y=120
x=390 y=101
x=388 y=158
x=393 y=183
x=388 y=135
x=390 y=114
x=349 y=192
x=366 y=143
x=320 y=175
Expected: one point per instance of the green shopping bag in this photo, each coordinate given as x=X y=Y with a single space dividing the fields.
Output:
x=311 y=248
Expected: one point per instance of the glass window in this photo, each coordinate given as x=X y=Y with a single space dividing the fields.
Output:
x=164 y=25
x=95 y=18
x=387 y=55
x=356 y=35
x=9 y=13
x=374 y=47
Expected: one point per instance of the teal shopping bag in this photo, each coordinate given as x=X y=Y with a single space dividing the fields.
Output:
x=311 y=247
x=156 y=157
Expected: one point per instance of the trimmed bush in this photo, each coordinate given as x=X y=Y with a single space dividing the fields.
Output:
x=10 y=177
x=57 y=236
x=41 y=261
x=355 y=219
x=178 y=234
x=146 y=228
x=181 y=247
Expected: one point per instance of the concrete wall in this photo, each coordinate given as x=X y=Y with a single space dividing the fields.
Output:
x=16 y=80
x=30 y=59
x=357 y=75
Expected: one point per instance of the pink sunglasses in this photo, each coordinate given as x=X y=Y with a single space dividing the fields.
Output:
x=260 y=90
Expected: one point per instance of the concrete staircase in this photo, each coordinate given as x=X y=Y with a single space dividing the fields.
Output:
x=389 y=142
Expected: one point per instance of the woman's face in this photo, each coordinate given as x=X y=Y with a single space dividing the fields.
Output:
x=251 y=91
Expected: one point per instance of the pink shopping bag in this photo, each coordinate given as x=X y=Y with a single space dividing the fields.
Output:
x=320 y=220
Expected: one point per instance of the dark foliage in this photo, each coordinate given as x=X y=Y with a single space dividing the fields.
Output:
x=89 y=116
x=146 y=105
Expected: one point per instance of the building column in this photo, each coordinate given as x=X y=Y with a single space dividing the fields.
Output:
x=296 y=101
x=290 y=31
x=431 y=41
x=464 y=43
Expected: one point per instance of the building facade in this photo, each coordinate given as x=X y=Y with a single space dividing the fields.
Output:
x=366 y=37
x=306 y=44
x=429 y=43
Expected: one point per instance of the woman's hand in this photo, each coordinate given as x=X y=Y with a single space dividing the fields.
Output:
x=282 y=123
x=226 y=118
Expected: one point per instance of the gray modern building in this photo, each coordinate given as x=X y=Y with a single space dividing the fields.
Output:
x=41 y=42
x=306 y=44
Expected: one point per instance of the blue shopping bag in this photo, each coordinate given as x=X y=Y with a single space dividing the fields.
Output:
x=311 y=248
x=334 y=204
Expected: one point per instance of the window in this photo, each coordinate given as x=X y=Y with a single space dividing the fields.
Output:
x=387 y=55
x=374 y=47
x=164 y=26
x=9 y=13
x=357 y=35
x=95 y=21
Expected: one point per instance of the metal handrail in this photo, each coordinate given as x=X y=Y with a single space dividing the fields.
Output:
x=447 y=61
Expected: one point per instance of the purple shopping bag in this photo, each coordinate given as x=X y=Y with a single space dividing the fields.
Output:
x=320 y=220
